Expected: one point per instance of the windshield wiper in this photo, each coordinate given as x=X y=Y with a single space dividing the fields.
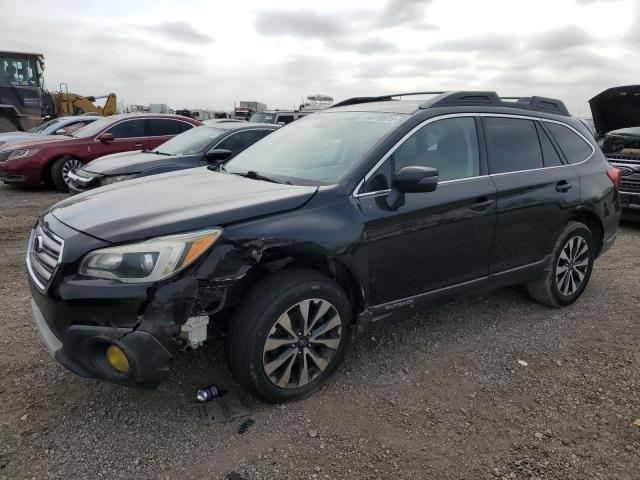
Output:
x=252 y=174
x=157 y=152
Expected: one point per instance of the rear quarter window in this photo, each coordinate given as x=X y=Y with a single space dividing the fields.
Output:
x=575 y=149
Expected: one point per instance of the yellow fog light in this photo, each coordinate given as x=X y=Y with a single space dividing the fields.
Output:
x=117 y=359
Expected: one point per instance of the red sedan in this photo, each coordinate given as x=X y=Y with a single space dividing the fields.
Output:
x=50 y=160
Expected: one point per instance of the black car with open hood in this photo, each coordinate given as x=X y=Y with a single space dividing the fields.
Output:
x=616 y=115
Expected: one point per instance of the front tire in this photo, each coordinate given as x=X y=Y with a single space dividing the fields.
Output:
x=289 y=335
x=570 y=270
x=60 y=172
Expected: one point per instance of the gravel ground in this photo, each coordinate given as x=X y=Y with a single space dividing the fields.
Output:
x=444 y=395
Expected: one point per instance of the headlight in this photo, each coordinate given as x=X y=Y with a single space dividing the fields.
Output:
x=23 y=153
x=117 y=178
x=149 y=261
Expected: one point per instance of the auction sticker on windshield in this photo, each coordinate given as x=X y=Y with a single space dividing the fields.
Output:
x=379 y=118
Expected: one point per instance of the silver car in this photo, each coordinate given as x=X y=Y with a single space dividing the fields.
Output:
x=57 y=126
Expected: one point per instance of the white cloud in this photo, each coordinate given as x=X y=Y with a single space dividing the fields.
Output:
x=210 y=54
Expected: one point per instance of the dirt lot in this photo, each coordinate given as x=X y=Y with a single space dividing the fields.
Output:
x=440 y=396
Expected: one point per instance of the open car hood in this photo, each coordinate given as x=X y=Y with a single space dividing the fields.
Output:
x=616 y=108
x=176 y=202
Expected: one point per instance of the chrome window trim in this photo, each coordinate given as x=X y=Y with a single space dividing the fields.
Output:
x=360 y=184
x=444 y=182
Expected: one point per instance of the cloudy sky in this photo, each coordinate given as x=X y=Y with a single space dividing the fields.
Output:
x=209 y=54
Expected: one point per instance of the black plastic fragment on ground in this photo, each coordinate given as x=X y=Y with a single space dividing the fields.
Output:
x=246 y=425
x=219 y=409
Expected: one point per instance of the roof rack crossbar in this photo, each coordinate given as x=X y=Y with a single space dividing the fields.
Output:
x=470 y=98
x=381 y=98
x=539 y=104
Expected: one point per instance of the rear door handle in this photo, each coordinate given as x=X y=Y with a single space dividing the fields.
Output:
x=481 y=204
x=139 y=145
x=563 y=186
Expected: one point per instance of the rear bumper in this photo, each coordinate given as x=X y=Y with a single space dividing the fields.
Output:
x=83 y=352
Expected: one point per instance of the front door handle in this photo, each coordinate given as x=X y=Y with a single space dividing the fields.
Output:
x=563 y=186
x=139 y=145
x=481 y=204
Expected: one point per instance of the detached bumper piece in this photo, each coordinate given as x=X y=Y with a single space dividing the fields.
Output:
x=84 y=352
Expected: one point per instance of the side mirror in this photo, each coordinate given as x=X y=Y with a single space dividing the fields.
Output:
x=61 y=131
x=281 y=123
x=218 y=155
x=416 y=179
x=411 y=180
x=106 y=137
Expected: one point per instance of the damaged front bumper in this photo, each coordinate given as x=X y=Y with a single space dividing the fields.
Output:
x=83 y=352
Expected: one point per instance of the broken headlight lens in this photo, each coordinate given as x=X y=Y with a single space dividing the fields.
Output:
x=149 y=261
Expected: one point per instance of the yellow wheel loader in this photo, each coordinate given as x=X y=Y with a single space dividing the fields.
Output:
x=24 y=101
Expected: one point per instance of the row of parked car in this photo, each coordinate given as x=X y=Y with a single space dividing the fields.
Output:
x=129 y=145
x=349 y=217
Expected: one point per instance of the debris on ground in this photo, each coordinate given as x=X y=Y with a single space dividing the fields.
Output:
x=246 y=425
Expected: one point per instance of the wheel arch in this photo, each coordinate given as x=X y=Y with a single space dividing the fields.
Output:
x=46 y=171
x=593 y=222
x=276 y=259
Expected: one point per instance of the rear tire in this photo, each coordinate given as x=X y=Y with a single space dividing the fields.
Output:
x=7 y=125
x=571 y=267
x=289 y=335
x=60 y=169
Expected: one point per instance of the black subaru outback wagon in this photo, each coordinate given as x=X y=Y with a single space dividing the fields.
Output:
x=347 y=217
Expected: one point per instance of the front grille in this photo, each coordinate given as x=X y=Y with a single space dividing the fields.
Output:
x=619 y=158
x=43 y=255
x=4 y=156
x=631 y=185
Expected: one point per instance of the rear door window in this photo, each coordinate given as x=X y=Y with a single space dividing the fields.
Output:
x=241 y=140
x=184 y=126
x=161 y=127
x=285 y=119
x=128 y=129
x=512 y=144
x=575 y=149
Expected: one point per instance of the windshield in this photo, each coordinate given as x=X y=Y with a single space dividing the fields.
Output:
x=19 y=71
x=320 y=148
x=93 y=128
x=191 y=142
x=262 y=117
x=43 y=126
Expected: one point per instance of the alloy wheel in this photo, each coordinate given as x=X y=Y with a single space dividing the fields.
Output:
x=572 y=265
x=301 y=343
x=69 y=166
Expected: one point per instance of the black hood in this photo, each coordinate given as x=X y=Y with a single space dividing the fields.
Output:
x=615 y=108
x=175 y=202
x=127 y=163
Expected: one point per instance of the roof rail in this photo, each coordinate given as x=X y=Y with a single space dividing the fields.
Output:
x=382 y=98
x=539 y=104
x=470 y=98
